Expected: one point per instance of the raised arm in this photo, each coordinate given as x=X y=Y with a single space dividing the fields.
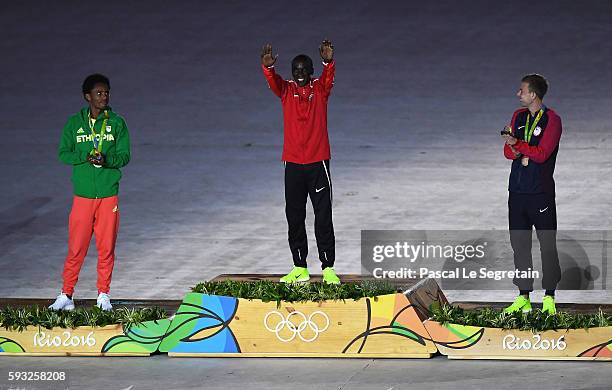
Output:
x=326 y=50
x=275 y=82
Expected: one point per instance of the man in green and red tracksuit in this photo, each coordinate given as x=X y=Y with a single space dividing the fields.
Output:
x=95 y=141
x=306 y=154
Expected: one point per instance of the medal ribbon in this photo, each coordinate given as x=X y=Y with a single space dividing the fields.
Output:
x=528 y=131
x=98 y=144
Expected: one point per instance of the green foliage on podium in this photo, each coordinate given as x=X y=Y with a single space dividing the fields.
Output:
x=19 y=318
x=268 y=291
x=535 y=321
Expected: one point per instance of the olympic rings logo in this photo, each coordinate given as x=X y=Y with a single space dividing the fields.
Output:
x=296 y=330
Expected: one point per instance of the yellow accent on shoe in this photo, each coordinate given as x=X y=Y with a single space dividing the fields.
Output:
x=548 y=305
x=520 y=303
x=297 y=275
x=330 y=277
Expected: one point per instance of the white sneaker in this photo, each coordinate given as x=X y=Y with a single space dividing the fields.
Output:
x=103 y=302
x=62 y=302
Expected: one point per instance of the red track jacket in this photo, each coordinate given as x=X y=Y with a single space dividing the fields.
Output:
x=547 y=145
x=304 y=115
x=537 y=176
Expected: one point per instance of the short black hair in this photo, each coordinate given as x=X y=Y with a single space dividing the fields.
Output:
x=304 y=59
x=537 y=84
x=92 y=80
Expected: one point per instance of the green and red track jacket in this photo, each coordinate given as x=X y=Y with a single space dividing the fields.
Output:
x=76 y=144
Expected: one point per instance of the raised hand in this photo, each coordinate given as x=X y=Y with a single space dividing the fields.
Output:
x=267 y=59
x=326 y=50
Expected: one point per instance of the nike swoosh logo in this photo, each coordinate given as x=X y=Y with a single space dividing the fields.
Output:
x=520 y=127
x=543 y=210
x=320 y=189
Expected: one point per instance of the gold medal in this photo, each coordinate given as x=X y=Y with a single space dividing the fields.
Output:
x=528 y=132
x=98 y=138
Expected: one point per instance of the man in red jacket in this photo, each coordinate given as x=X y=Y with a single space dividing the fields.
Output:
x=532 y=143
x=306 y=155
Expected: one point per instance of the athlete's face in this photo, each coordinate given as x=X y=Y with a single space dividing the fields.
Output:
x=525 y=96
x=300 y=74
x=98 y=97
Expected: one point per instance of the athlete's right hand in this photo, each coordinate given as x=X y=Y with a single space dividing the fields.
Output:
x=516 y=152
x=267 y=59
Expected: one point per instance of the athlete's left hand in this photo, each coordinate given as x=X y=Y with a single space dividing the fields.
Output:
x=326 y=50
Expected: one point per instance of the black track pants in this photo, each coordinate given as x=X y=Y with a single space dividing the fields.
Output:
x=301 y=181
x=524 y=212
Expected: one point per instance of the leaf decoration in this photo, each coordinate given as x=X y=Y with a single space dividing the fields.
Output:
x=8 y=345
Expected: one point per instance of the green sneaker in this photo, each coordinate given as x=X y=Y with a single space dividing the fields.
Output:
x=297 y=275
x=520 y=303
x=548 y=305
x=330 y=277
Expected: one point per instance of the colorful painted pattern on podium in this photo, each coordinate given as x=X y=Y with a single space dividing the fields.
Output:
x=9 y=346
x=144 y=338
x=386 y=325
x=603 y=350
x=201 y=324
x=455 y=336
x=460 y=341
x=388 y=316
x=138 y=340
